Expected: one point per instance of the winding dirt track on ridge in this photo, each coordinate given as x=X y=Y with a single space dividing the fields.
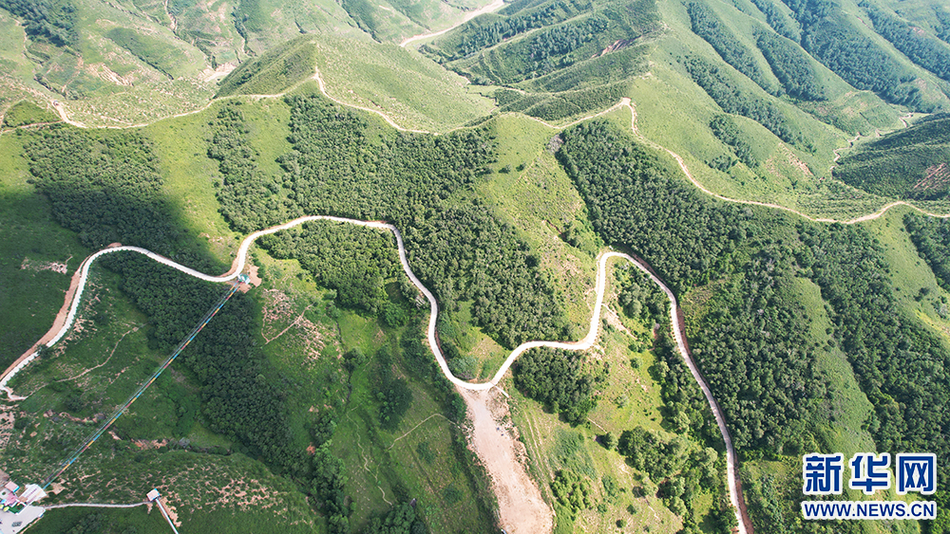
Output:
x=494 y=6
x=871 y=216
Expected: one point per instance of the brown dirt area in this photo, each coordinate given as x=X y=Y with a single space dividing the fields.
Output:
x=521 y=507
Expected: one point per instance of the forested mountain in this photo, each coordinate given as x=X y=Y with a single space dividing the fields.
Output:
x=561 y=126
x=910 y=164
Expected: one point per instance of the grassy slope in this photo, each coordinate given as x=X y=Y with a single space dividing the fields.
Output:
x=31 y=298
x=381 y=465
x=630 y=398
x=382 y=77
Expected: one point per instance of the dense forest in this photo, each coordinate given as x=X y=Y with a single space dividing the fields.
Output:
x=104 y=185
x=50 y=20
x=707 y=25
x=561 y=380
x=778 y=20
x=914 y=42
x=724 y=90
x=356 y=262
x=791 y=66
x=932 y=238
x=481 y=35
x=831 y=38
x=899 y=363
x=633 y=201
x=574 y=50
x=770 y=391
x=340 y=167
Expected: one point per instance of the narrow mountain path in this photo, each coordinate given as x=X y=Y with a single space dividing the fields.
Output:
x=494 y=6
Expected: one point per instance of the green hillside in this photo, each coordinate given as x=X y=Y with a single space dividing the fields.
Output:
x=908 y=164
x=703 y=136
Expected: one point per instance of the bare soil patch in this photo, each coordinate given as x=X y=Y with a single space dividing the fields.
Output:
x=494 y=440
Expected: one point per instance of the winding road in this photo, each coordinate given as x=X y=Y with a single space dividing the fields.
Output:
x=240 y=261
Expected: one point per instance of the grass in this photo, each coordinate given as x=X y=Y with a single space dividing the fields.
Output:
x=388 y=78
x=383 y=467
x=910 y=274
x=630 y=397
x=34 y=294
x=190 y=176
x=113 y=521
x=101 y=363
x=537 y=197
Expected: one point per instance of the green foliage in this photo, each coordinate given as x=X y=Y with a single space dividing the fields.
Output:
x=707 y=25
x=726 y=130
x=767 y=500
x=898 y=361
x=548 y=50
x=778 y=20
x=104 y=185
x=399 y=520
x=392 y=392
x=831 y=38
x=789 y=391
x=932 y=238
x=328 y=485
x=913 y=41
x=458 y=249
x=236 y=399
x=50 y=20
x=585 y=38
x=791 y=66
x=480 y=35
x=733 y=99
x=356 y=262
x=684 y=470
x=628 y=188
x=573 y=492
x=561 y=380
x=273 y=71
x=640 y=298
x=911 y=163
x=557 y=106
x=25 y=112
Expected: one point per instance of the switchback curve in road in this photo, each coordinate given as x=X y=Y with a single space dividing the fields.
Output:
x=584 y=344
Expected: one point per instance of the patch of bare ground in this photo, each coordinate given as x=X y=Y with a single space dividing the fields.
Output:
x=33 y=265
x=278 y=311
x=937 y=176
x=494 y=439
x=7 y=418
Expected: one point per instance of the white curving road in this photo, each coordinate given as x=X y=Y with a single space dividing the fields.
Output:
x=586 y=343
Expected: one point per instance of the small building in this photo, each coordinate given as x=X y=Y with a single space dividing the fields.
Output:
x=32 y=494
x=153 y=495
